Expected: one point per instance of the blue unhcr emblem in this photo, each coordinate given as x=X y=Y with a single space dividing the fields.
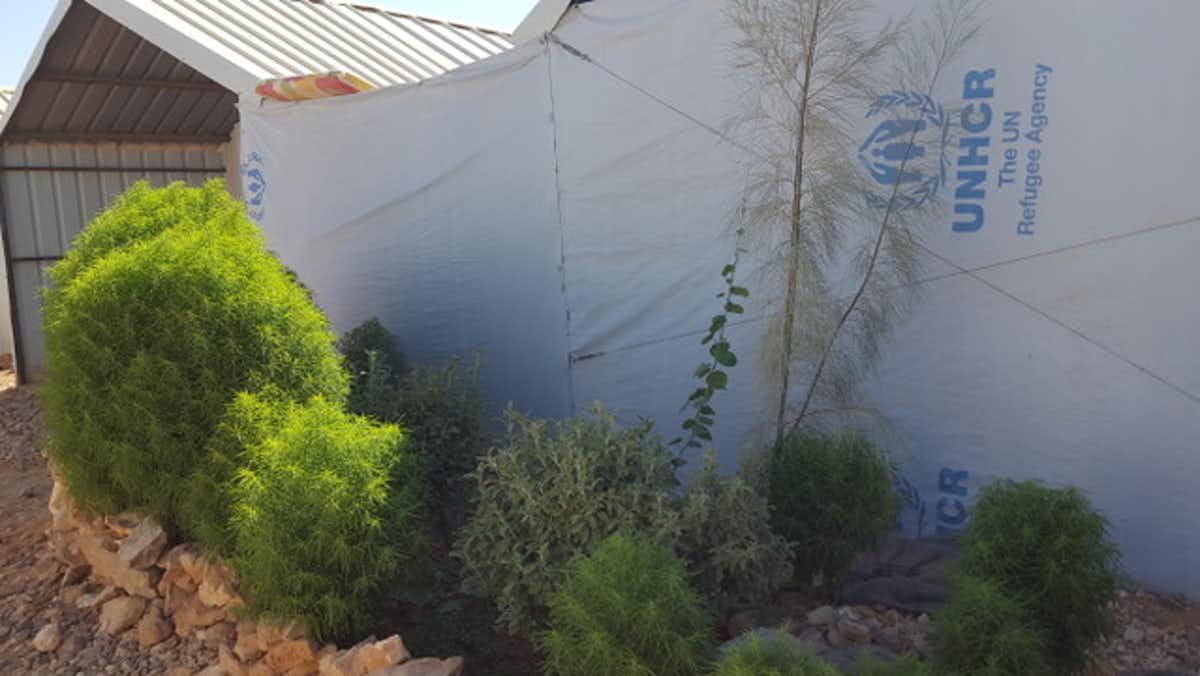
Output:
x=255 y=184
x=899 y=150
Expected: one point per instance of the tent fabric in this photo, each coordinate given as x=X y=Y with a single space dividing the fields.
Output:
x=565 y=209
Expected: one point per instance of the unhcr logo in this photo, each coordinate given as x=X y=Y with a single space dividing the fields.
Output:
x=906 y=153
x=255 y=185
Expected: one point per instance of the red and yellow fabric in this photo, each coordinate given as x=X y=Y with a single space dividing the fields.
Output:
x=315 y=86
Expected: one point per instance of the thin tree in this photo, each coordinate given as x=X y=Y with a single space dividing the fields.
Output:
x=820 y=222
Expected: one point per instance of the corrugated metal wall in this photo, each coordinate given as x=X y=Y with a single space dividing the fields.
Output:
x=49 y=192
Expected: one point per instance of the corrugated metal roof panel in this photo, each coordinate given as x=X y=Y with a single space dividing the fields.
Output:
x=279 y=38
x=99 y=78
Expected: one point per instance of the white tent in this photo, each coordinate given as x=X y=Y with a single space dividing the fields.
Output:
x=565 y=209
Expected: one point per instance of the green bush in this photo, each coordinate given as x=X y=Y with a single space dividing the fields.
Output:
x=375 y=392
x=832 y=497
x=986 y=631
x=167 y=306
x=551 y=492
x=371 y=337
x=319 y=522
x=726 y=538
x=627 y=610
x=905 y=665
x=441 y=409
x=774 y=656
x=1050 y=549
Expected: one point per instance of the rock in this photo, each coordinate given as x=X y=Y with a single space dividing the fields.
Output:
x=741 y=622
x=292 y=655
x=902 y=573
x=821 y=617
x=189 y=614
x=179 y=671
x=153 y=629
x=270 y=634
x=122 y=525
x=813 y=639
x=844 y=659
x=48 y=638
x=247 y=647
x=121 y=613
x=1133 y=635
x=380 y=655
x=93 y=600
x=144 y=544
x=368 y=657
x=74 y=575
x=229 y=662
x=854 y=631
x=428 y=666
x=217 y=588
x=108 y=567
x=221 y=633
x=64 y=515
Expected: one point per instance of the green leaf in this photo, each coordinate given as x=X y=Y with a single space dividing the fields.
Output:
x=728 y=270
x=739 y=291
x=689 y=424
x=734 y=308
x=719 y=321
x=724 y=357
x=706 y=410
x=702 y=370
x=705 y=420
x=703 y=433
x=717 y=380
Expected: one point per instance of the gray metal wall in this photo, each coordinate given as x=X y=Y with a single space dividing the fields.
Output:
x=49 y=192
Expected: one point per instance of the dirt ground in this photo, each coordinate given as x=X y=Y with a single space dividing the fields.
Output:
x=1157 y=632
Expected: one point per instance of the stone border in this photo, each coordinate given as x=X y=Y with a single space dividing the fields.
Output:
x=152 y=591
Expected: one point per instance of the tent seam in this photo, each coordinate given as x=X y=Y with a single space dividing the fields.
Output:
x=562 y=230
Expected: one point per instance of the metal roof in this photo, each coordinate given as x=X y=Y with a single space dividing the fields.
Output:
x=171 y=70
x=98 y=79
x=254 y=40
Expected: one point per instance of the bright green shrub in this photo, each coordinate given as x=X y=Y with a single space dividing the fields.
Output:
x=726 y=539
x=168 y=306
x=832 y=497
x=775 y=656
x=551 y=492
x=986 y=631
x=1051 y=549
x=319 y=522
x=627 y=610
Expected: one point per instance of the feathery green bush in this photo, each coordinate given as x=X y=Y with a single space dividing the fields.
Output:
x=552 y=492
x=832 y=497
x=627 y=610
x=320 y=522
x=167 y=306
x=726 y=539
x=986 y=631
x=905 y=665
x=1050 y=549
x=774 y=656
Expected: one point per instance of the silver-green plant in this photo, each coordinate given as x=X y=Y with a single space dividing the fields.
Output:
x=553 y=491
x=811 y=70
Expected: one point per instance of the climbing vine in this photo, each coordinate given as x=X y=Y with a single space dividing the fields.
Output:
x=712 y=374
